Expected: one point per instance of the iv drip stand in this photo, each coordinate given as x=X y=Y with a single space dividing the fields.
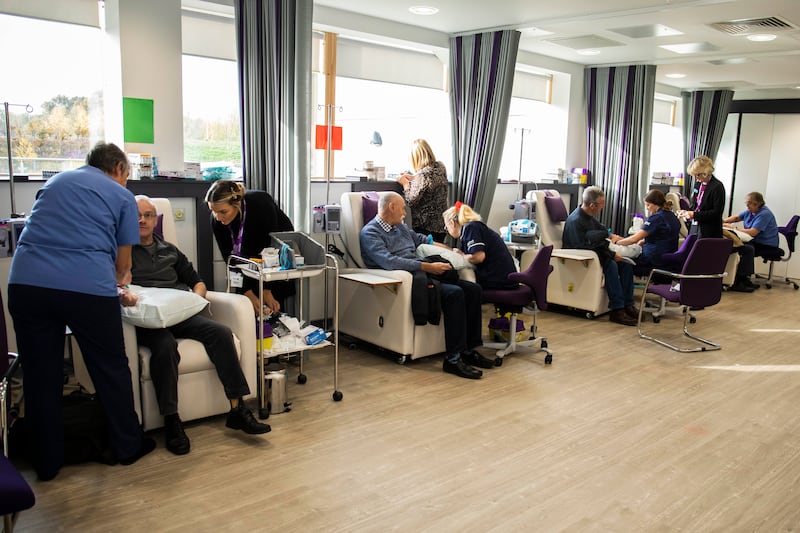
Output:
x=29 y=109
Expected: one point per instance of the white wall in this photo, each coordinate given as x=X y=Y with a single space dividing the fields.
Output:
x=768 y=162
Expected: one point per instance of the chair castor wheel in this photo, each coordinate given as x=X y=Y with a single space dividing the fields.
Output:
x=693 y=320
x=337 y=396
x=498 y=361
x=301 y=379
x=544 y=343
x=548 y=359
x=402 y=359
x=656 y=320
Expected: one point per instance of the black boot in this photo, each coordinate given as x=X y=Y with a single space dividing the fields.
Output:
x=176 y=440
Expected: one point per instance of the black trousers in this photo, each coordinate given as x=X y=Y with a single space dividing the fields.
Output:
x=218 y=341
x=40 y=318
x=461 y=307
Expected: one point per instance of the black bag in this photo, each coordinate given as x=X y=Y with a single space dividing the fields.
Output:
x=450 y=276
x=85 y=431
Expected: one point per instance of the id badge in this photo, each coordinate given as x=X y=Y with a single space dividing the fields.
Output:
x=237 y=279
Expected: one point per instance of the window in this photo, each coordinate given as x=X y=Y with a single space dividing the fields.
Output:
x=63 y=90
x=399 y=113
x=211 y=133
x=666 y=146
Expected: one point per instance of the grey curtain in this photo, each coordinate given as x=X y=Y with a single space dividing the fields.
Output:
x=619 y=103
x=704 y=116
x=481 y=78
x=273 y=42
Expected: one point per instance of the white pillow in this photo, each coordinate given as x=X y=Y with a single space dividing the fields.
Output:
x=456 y=259
x=162 y=308
x=630 y=250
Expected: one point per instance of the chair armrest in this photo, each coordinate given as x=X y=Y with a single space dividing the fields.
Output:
x=236 y=312
x=397 y=275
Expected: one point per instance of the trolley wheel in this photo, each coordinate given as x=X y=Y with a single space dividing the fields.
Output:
x=656 y=319
x=796 y=286
x=301 y=379
x=263 y=413
x=548 y=359
x=337 y=396
x=402 y=359
x=590 y=315
x=498 y=361
x=692 y=320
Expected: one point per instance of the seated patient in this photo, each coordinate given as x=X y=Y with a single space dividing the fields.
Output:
x=760 y=224
x=583 y=230
x=481 y=246
x=659 y=233
x=387 y=243
x=157 y=263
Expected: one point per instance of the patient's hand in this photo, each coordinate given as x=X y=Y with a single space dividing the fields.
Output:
x=127 y=298
x=436 y=268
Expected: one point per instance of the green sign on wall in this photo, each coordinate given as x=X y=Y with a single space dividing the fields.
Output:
x=137 y=116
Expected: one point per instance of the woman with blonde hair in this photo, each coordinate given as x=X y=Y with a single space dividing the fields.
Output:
x=426 y=191
x=708 y=202
x=481 y=246
x=242 y=221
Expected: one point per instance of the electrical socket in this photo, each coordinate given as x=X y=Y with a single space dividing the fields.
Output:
x=180 y=214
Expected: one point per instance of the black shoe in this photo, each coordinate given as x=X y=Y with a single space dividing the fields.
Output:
x=461 y=369
x=739 y=286
x=749 y=283
x=632 y=311
x=148 y=445
x=621 y=317
x=242 y=418
x=473 y=358
x=176 y=440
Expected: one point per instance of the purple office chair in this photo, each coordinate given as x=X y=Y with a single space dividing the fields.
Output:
x=15 y=493
x=532 y=292
x=789 y=232
x=699 y=286
x=673 y=262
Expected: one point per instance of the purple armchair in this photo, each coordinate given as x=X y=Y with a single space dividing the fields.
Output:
x=699 y=286
x=532 y=292
x=15 y=493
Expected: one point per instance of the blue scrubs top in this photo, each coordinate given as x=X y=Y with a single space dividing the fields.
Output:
x=70 y=239
x=663 y=230
x=764 y=221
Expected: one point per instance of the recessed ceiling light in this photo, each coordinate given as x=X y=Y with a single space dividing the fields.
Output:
x=676 y=75
x=423 y=10
x=761 y=37
x=589 y=52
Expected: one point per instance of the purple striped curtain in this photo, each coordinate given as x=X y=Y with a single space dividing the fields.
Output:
x=619 y=102
x=704 y=117
x=481 y=78
x=273 y=43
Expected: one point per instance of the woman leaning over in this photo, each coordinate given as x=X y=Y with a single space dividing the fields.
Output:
x=481 y=246
x=659 y=233
x=242 y=222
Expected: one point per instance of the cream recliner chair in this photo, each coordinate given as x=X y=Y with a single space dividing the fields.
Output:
x=375 y=304
x=577 y=279
x=200 y=393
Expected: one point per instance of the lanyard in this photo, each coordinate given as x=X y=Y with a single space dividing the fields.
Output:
x=237 y=241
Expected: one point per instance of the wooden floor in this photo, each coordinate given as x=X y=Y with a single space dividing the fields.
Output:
x=618 y=435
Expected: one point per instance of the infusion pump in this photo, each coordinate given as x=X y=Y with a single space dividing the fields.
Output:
x=327 y=219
